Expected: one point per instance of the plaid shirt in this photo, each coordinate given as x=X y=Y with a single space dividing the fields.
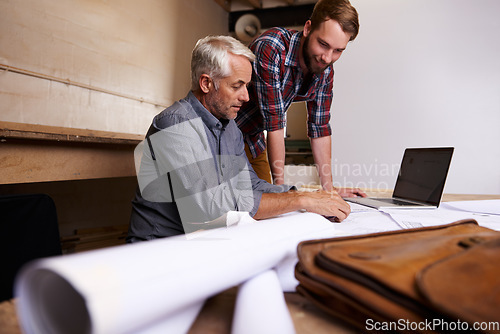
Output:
x=276 y=82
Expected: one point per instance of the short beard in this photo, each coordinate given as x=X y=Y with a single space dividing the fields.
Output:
x=305 y=53
x=307 y=58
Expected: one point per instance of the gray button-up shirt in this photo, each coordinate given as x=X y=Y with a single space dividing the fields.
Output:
x=193 y=169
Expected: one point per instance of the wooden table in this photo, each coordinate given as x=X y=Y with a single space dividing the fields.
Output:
x=216 y=315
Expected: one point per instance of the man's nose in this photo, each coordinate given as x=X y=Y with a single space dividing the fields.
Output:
x=330 y=57
x=245 y=96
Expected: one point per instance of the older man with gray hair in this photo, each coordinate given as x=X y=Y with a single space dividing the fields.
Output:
x=193 y=166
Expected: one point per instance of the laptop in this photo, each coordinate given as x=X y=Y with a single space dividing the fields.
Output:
x=420 y=181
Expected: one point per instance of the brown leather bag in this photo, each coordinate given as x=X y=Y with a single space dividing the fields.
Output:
x=431 y=279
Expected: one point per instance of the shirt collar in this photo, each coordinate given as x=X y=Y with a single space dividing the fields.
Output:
x=292 y=57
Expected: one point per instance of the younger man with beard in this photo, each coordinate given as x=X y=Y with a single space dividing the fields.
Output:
x=296 y=66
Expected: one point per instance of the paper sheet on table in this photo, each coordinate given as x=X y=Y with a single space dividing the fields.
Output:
x=357 y=208
x=130 y=288
x=489 y=207
x=368 y=220
x=413 y=218
x=364 y=220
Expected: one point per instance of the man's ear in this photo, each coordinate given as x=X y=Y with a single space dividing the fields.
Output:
x=307 y=28
x=205 y=83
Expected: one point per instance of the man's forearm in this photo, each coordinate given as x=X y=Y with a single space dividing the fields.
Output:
x=275 y=204
x=276 y=154
x=322 y=151
x=321 y=202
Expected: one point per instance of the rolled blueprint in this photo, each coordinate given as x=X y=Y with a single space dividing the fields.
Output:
x=130 y=288
x=261 y=307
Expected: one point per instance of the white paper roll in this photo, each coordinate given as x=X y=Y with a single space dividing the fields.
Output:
x=261 y=307
x=128 y=288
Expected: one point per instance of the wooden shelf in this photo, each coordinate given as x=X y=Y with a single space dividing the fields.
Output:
x=53 y=133
x=39 y=153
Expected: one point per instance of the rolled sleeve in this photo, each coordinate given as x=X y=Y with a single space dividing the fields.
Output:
x=267 y=188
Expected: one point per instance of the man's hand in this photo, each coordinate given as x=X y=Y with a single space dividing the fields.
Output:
x=350 y=192
x=327 y=203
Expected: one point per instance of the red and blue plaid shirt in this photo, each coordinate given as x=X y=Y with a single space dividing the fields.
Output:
x=276 y=82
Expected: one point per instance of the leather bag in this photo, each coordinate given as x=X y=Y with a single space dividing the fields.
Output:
x=432 y=279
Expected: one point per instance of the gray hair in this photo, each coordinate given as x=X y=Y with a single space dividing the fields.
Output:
x=210 y=56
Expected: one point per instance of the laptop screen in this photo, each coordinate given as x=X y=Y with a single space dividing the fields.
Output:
x=423 y=173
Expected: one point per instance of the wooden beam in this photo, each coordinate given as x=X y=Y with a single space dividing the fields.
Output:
x=255 y=3
x=226 y=4
x=281 y=16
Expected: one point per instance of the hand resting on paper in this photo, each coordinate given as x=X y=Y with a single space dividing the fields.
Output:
x=350 y=192
x=325 y=203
